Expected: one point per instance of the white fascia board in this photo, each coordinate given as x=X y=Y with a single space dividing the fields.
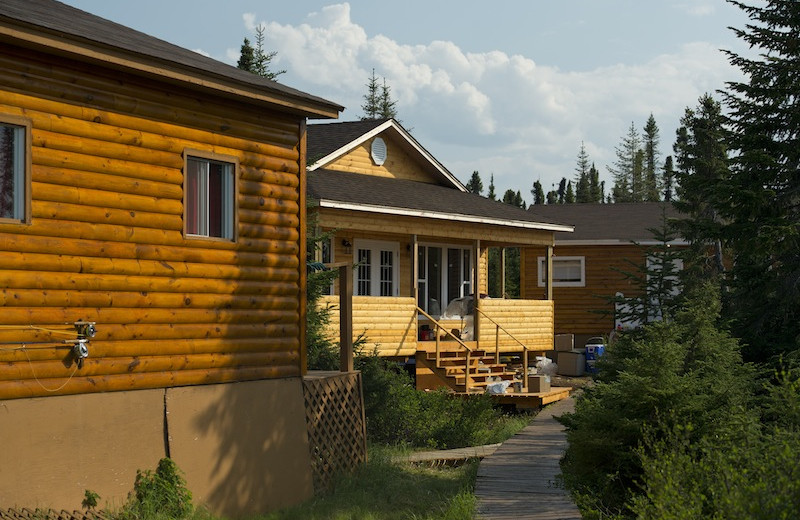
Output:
x=618 y=242
x=391 y=123
x=444 y=216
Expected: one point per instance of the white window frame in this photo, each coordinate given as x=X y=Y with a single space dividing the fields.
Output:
x=21 y=169
x=376 y=246
x=556 y=260
x=230 y=190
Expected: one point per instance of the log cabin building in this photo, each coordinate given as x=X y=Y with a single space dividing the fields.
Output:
x=152 y=267
x=588 y=265
x=420 y=244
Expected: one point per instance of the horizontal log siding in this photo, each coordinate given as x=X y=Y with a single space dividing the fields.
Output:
x=389 y=325
x=579 y=310
x=530 y=321
x=105 y=242
x=398 y=164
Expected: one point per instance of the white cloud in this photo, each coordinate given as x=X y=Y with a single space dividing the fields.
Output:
x=490 y=111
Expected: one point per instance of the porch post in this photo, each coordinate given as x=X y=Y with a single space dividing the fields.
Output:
x=346 y=318
x=415 y=269
x=548 y=277
x=476 y=292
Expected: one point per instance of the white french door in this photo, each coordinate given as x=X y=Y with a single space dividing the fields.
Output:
x=378 y=263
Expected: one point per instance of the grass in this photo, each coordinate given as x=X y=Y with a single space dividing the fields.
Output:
x=385 y=489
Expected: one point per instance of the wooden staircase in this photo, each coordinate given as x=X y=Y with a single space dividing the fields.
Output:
x=453 y=371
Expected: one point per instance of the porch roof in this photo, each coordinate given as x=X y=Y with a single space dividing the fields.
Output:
x=357 y=192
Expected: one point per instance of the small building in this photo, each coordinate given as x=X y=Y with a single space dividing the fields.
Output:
x=588 y=265
x=420 y=245
x=152 y=267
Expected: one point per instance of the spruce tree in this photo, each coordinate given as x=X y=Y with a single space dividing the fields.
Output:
x=596 y=188
x=627 y=168
x=246 y=57
x=475 y=185
x=538 y=193
x=491 y=194
x=256 y=59
x=582 y=179
x=760 y=201
x=569 y=197
x=668 y=179
x=388 y=105
x=651 y=155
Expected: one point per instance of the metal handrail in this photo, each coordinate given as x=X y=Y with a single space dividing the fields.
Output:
x=497 y=348
x=458 y=340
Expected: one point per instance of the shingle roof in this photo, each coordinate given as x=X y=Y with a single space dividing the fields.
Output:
x=424 y=199
x=622 y=221
x=68 y=23
x=324 y=139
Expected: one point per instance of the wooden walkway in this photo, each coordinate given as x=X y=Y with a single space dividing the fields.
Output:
x=516 y=482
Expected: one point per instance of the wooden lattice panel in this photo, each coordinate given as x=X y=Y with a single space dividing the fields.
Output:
x=336 y=428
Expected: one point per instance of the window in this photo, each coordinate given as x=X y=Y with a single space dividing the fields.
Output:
x=568 y=271
x=14 y=169
x=210 y=195
x=445 y=273
x=377 y=271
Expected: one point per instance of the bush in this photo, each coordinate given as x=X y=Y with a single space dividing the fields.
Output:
x=665 y=376
x=397 y=413
x=162 y=494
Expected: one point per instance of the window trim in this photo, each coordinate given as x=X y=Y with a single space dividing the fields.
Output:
x=540 y=276
x=26 y=124
x=191 y=153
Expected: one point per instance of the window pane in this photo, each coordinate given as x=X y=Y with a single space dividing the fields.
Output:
x=364 y=280
x=210 y=198
x=566 y=271
x=434 y=280
x=467 y=272
x=387 y=273
x=12 y=171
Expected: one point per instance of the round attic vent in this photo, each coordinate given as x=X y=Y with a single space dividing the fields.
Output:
x=378 y=151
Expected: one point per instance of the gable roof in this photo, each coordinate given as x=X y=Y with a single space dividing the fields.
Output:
x=607 y=223
x=64 y=30
x=352 y=191
x=330 y=141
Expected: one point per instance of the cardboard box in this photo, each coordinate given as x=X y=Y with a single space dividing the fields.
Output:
x=538 y=383
x=564 y=342
x=572 y=363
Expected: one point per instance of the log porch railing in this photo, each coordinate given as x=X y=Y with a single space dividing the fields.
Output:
x=467 y=350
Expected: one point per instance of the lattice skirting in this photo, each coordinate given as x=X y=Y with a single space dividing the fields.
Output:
x=336 y=428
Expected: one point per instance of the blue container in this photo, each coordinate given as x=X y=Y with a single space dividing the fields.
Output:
x=593 y=353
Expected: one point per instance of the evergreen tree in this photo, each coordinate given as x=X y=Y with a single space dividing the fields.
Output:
x=582 y=179
x=668 y=179
x=475 y=185
x=509 y=197
x=569 y=197
x=388 y=105
x=246 y=57
x=702 y=169
x=760 y=202
x=491 y=195
x=562 y=190
x=651 y=155
x=372 y=99
x=596 y=188
x=538 y=193
x=552 y=197
x=627 y=168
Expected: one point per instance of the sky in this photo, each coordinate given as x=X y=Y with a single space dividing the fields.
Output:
x=509 y=88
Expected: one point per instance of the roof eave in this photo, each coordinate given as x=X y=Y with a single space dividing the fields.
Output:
x=58 y=43
x=439 y=215
x=391 y=123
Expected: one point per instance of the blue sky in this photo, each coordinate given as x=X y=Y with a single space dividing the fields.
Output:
x=509 y=88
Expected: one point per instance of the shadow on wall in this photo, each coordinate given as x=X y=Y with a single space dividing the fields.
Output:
x=243 y=446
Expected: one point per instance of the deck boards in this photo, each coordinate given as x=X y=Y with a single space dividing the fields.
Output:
x=517 y=480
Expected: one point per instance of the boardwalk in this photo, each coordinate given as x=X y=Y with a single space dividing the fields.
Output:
x=516 y=482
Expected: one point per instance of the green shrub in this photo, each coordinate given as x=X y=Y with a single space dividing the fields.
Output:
x=159 y=494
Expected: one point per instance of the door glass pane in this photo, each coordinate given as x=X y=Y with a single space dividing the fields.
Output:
x=434 y=281
x=466 y=272
x=453 y=274
x=387 y=273
x=364 y=280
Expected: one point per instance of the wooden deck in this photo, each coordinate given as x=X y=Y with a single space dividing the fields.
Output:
x=517 y=480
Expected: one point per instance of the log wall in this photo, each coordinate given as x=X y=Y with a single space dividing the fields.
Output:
x=105 y=242
x=586 y=310
x=389 y=325
x=398 y=164
x=529 y=321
